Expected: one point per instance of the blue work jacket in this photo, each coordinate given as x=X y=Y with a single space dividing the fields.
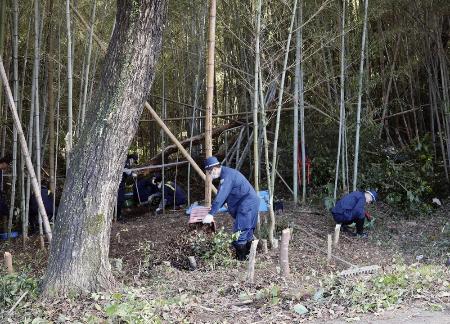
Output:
x=238 y=193
x=351 y=207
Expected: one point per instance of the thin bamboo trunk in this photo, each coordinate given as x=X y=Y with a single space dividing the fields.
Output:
x=69 y=87
x=255 y=99
x=210 y=94
x=296 y=100
x=342 y=107
x=36 y=189
x=360 y=93
x=88 y=62
x=23 y=204
x=277 y=125
x=266 y=159
x=16 y=102
x=383 y=124
x=301 y=92
x=51 y=100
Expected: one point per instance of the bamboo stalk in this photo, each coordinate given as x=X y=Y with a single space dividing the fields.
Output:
x=210 y=95
x=86 y=75
x=360 y=92
x=277 y=125
x=16 y=102
x=29 y=165
x=255 y=98
x=69 y=87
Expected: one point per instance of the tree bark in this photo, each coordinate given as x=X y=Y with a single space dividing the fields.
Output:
x=78 y=259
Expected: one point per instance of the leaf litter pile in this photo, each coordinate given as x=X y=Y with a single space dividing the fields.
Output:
x=157 y=283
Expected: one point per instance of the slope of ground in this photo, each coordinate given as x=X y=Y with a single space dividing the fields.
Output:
x=149 y=256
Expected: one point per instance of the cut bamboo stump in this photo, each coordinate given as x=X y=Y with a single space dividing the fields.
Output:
x=192 y=262
x=274 y=244
x=264 y=246
x=251 y=263
x=284 y=252
x=330 y=241
x=8 y=263
x=337 y=231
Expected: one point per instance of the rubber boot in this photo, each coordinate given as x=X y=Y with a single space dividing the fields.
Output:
x=241 y=251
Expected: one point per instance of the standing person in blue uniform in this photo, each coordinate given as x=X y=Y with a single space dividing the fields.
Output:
x=351 y=209
x=131 y=160
x=242 y=201
x=174 y=195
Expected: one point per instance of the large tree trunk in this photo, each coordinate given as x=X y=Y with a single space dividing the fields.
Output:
x=78 y=259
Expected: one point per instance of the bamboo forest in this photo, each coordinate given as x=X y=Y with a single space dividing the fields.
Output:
x=224 y=161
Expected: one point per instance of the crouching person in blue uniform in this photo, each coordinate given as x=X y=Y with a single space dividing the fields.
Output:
x=174 y=195
x=351 y=209
x=143 y=189
x=242 y=201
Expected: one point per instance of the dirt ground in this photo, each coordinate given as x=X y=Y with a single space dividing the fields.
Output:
x=149 y=255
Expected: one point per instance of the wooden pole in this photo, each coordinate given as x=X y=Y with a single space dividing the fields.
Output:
x=26 y=154
x=284 y=252
x=210 y=94
x=251 y=262
x=8 y=263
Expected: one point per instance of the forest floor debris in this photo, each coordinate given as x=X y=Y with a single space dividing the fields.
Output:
x=149 y=255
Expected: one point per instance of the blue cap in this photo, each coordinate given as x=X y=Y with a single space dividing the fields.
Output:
x=211 y=162
x=373 y=194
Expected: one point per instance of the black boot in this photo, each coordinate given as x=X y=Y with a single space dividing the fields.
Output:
x=241 y=251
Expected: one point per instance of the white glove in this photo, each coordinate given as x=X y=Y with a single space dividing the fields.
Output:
x=134 y=175
x=208 y=219
x=158 y=210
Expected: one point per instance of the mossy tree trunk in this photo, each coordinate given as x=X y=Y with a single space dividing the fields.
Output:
x=78 y=259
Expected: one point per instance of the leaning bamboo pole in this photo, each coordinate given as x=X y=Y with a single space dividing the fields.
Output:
x=210 y=94
x=25 y=152
x=177 y=143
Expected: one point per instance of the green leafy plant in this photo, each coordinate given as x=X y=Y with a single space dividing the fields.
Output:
x=387 y=289
x=215 y=249
x=12 y=287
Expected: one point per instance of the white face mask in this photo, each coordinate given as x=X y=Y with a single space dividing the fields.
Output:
x=215 y=173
